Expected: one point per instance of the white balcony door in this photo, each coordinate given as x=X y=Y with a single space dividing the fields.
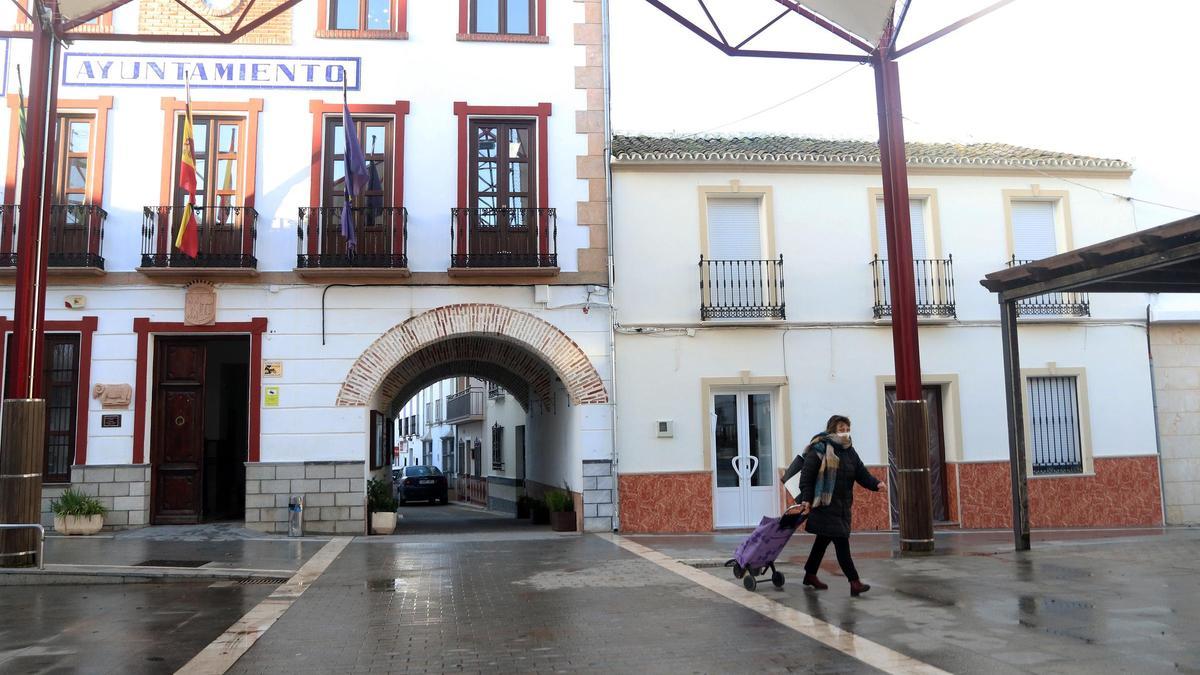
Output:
x=928 y=285
x=735 y=234
x=1034 y=230
x=743 y=458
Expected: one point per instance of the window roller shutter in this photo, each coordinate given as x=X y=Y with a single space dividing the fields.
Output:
x=1034 y=235
x=733 y=229
x=916 y=217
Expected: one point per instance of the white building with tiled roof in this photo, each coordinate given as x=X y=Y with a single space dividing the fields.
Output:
x=751 y=303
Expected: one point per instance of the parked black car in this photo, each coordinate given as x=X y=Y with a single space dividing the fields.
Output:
x=421 y=483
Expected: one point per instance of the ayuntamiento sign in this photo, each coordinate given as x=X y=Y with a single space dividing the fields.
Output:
x=219 y=72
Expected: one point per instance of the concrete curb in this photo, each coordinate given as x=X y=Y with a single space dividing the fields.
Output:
x=59 y=575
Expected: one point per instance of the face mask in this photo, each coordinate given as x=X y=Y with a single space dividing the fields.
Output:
x=844 y=437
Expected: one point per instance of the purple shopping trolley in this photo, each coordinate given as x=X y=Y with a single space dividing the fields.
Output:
x=756 y=555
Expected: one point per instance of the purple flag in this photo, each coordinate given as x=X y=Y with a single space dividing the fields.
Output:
x=357 y=175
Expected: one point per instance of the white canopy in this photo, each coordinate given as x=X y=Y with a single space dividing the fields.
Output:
x=74 y=9
x=864 y=18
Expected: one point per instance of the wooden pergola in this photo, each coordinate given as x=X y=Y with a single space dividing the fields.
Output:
x=1164 y=259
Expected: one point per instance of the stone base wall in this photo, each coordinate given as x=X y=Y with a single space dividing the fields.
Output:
x=123 y=489
x=334 y=496
x=598 y=489
x=502 y=494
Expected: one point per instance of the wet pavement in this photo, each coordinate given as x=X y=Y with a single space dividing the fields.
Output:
x=210 y=546
x=457 y=589
x=127 y=628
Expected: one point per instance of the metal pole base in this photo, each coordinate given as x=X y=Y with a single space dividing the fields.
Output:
x=912 y=468
x=22 y=439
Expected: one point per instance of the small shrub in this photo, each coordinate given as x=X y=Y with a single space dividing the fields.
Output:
x=73 y=503
x=379 y=497
x=559 y=501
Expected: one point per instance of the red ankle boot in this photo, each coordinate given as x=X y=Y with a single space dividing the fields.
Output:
x=812 y=580
x=857 y=588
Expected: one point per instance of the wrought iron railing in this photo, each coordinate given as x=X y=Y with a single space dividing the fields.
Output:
x=933 y=281
x=503 y=237
x=225 y=234
x=1058 y=303
x=76 y=235
x=380 y=232
x=741 y=289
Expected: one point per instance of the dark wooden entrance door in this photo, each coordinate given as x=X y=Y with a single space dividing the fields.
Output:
x=178 y=424
x=937 y=451
x=504 y=221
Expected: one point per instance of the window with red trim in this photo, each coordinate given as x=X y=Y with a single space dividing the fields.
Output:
x=363 y=19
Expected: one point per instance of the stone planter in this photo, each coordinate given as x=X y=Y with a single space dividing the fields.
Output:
x=78 y=524
x=383 y=522
x=562 y=521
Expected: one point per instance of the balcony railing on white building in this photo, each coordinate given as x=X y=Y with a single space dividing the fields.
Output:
x=933 y=281
x=1059 y=303
x=465 y=406
x=741 y=289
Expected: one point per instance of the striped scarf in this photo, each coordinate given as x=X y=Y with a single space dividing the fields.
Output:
x=826 y=475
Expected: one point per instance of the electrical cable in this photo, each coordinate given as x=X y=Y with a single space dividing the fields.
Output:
x=776 y=105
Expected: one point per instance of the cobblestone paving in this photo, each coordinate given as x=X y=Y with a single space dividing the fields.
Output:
x=567 y=603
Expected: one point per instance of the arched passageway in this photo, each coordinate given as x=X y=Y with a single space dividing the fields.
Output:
x=541 y=435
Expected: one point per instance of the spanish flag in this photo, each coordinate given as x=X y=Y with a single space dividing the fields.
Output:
x=187 y=240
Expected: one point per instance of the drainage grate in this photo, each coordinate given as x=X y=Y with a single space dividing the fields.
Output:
x=173 y=563
x=261 y=580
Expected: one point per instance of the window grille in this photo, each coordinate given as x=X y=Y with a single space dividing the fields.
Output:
x=1054 y=436
x=497 y=447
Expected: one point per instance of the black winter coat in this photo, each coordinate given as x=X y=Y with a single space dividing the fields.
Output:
x=833 y=520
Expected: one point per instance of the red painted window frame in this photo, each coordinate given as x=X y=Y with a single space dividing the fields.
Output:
x=320 y=110
x=86 y=327
x=144 y=328
x=540 y=112
x=465 y=35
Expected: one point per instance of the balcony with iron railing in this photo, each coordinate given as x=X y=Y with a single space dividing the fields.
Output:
x=465 y=406
x=741 y=289
x=226 y=236
x=381 y=242
x=503 y=241
x=1056 y=304
x=933 y=281
x=76 y=238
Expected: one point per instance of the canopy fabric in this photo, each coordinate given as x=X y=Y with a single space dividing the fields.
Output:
x=864 y=18
x=74 y=9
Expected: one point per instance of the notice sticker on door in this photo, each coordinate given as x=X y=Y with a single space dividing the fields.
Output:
x=271 y=397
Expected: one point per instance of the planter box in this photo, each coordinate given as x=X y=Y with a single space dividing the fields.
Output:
x=78 y=524
x=383 y=522
x=562 y=521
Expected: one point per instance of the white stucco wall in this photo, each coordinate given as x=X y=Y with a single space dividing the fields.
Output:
x=431 y=70
x=834 y=356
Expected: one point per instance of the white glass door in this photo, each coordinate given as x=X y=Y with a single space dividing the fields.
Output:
x=743 y=459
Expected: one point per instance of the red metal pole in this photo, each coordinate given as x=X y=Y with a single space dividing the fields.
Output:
x=30 y=293
x=911 y=431
x=48 y=197
x=893 y=161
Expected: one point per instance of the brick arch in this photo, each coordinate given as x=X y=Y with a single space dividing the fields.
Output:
x=498 y=334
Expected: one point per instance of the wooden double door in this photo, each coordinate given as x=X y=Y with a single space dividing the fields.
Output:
x=196 y=461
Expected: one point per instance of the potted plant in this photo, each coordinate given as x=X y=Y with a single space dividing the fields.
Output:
x=382 y=506
x=562 y=510
x=77 y=513
x=523 y=506
x=538 y=513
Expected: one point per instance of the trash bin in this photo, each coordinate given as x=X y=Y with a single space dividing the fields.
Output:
x=296 y=516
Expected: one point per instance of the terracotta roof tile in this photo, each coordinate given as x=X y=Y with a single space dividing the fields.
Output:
x=802 y=150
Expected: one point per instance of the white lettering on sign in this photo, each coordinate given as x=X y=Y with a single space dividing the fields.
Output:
x=213 y=72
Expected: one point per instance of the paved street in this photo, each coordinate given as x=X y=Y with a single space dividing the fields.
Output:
x=461 y=590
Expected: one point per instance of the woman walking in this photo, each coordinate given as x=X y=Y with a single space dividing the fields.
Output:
x=831 y=468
